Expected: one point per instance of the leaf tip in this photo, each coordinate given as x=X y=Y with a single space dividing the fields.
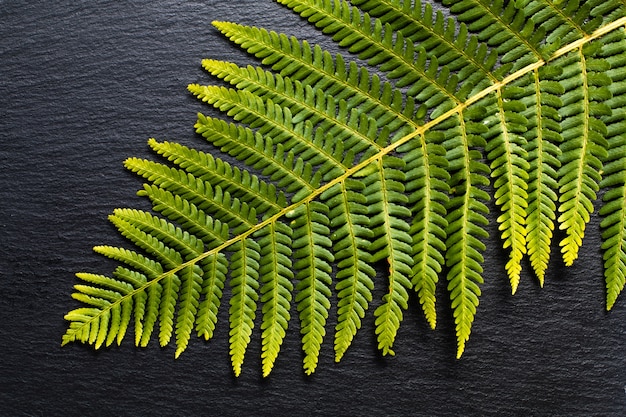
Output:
x=66 y=339
x=610 y=302
x=540 y=273
x=388 y=352
x=460 y=351
x=267 y=370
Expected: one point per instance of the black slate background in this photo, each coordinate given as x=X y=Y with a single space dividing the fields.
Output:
x=83 y=85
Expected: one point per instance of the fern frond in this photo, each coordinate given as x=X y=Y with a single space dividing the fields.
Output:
x=131 y=222
x=170 y=258
x=311 y=246
x=191 y=279
x=170 y=286
x=244 y=284
x=88 y=324
x=146 y=301
x=346 y=167
x=584 y=144
x=146 y=313
x=543 y=137
x=614 y=235
x=611 y=10
x=215 y=267
x=135 y=301
x=212 y=233
x=276 y=122
x=384 y=191
x=102 y=292
x=614 y=181
x=162 y=298
x=276 y=274
x=167 y=256
x=351 y=237
x=427 y=186
x=190 y=218
x=506 y=151
x=137 y=261
x=465 y=219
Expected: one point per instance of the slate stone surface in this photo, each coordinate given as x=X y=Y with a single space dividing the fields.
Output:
x=83 y=85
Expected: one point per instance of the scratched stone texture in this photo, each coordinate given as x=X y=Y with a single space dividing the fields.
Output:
x=83 y=85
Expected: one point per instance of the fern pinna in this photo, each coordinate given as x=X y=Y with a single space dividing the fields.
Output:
x=392 y=161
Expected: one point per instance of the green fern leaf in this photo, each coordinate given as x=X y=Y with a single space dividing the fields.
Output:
x=215 y=267
x=465 y=219
x=427 y=185
x=565 y=22
x=351 y=237
x=311 y=244
x=584 y=146
x=614 y=181
x=112 y=290
x=102 y=293
x=214 y=201
x=506 y=149
x=543 y=137
x=391 y=241
x=341 y=167
x=170 y=258
x=244 y=285
x=212 y=233
x=276 y=274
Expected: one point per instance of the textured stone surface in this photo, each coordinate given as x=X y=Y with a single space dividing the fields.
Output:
x=83 y=84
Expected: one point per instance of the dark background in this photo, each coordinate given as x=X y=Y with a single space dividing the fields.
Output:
x=83 y=85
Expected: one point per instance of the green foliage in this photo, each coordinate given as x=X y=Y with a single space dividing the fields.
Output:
x=390 y=165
